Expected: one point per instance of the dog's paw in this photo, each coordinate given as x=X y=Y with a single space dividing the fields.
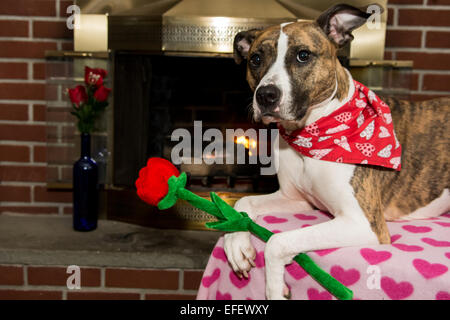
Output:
x=240 y=252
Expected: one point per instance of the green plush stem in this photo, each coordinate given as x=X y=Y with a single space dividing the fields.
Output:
x=199 y=202
x=230 y=220
x=333 y=286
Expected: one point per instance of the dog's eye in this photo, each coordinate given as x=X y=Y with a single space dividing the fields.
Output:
x=255 y=60
x=303 y=55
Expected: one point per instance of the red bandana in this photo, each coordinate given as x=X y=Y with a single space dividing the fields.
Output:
x=361 y=131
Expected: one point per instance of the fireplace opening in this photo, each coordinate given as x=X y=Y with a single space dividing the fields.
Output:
x=156 y=94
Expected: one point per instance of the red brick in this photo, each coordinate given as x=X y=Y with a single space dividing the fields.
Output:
x=390 y=17
x=13 y=70
x=39 y=112
x=80 y=295
x=439 y=2
x=192 y=279
x=423 y=60
x=135 y=278
x=57 y=276
x=68 y=210
x=63 y=4
x=14 y=112
x=22 y=173
x=30 y=210
x=38 y=71
x=25 y=49
x=414 y=82
x=28 y=7
x=423 y=17
x=30 y=295
x=22 y=91
x=51 y=29
x=67 y=46
x=22 y=132
x=387 y=55
x=13 y=28
x=61 y=155
x=438 y=39
x=42 y=194
x=11 y=275
x=14 y=153
x=403 y=38
x=15 y=193
x=168 y=296
x=436 y=82
x=40 y=154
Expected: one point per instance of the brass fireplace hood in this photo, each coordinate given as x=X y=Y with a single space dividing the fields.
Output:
x=202 y=26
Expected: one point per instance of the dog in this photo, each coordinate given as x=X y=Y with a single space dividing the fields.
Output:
x=297 y=79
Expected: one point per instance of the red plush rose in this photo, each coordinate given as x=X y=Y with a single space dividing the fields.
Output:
x=101 y=94
x=152 y=182
x=78 y=95
x=94 y=76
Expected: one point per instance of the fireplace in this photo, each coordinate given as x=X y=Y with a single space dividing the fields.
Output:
x=171 y=68
x=157 y=95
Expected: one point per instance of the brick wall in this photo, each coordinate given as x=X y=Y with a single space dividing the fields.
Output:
x=27 y=29
x=419 y=30
x=50 y=283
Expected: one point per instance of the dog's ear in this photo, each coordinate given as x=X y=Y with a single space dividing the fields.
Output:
x=242 y=43
x=339 y=21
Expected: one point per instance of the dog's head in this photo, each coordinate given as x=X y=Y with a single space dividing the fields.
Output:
x=292 y=67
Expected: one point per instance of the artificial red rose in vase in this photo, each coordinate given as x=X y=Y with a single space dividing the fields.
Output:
x=88 y=103
x=90 y=100
x=94 y=76
x=78 y=95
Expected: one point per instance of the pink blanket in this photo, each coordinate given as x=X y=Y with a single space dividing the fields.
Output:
x=414 y=266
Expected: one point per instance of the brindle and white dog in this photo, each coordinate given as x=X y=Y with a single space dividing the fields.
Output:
x=297 y=79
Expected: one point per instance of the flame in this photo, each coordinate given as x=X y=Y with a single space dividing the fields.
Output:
x=247 y=143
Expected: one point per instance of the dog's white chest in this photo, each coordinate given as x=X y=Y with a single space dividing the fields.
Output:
x=324 y=184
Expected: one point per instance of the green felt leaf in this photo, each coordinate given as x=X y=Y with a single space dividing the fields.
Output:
x=174 y=183
x=228 y=211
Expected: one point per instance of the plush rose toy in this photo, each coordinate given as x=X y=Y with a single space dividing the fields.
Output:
x=161 y=184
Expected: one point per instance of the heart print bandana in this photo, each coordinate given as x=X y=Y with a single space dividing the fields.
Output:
x=360 y=132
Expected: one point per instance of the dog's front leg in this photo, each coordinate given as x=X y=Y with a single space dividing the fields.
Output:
x=283 y=247
x=237 y=245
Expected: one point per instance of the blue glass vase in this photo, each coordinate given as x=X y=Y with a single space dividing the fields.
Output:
x=85 y=188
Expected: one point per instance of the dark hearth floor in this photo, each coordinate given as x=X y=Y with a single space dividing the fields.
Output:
x=47 y=240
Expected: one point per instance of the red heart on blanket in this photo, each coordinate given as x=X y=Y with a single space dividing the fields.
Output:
x=416 y=229
x=302 y=216
x=375 y=257
x=314 y=294
x=225 y=296
x=346 y=277
x=272 y=219
x=444 y=224
x=219 y=253
x=442 y=295
x=239 y=282
x=209 y=280
x=407 y=248
x=394 y=290
x=436 y=243
x=324 y=252
x=447 y=254
x=259 y=260
x=429 y=270
x=296 y=271
x=395 y=237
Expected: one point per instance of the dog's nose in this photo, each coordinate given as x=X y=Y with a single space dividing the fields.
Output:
x=268 y=97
